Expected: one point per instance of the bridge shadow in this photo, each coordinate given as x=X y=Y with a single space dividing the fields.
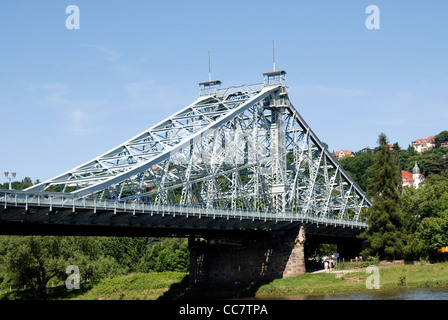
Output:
x=185 y=290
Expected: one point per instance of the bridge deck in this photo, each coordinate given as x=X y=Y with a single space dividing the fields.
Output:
x=58 y=209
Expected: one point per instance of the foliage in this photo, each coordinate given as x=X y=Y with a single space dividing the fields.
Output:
x=431 y=234
x=427 y=216
x=386 y=178
x=19 y=185
x=35 y=260
x=166 y=255
x=357 y=167
x=429 y=200
x=315 y=250
x=404 y=155
x=440 y=138
x=431 y=162
x=386 y=232
x=126 y=251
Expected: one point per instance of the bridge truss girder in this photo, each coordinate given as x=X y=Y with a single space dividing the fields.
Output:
x=242 y=148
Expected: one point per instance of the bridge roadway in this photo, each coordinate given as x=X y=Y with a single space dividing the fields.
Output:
x=26 y=212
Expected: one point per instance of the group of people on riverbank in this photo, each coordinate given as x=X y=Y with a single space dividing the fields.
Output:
x=328 y=265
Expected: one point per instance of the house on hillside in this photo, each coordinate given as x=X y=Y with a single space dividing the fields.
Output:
x=343 y=153
x=366 y=150
x=414 y=178
x=421 y=145
x=391 y=147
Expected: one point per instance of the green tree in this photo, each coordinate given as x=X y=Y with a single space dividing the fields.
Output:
x=166 y=255
x=441 y=137
x=34 y=260
x=426 y=213
x=431 y=162
x=429 y=200
x=386 y=234
x=357 y=167
x=431 y=234
x=404 y=155
x=127 y=251
x=86 y=253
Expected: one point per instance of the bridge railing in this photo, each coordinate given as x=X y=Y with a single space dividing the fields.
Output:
x=243 y=88
x=55 y=201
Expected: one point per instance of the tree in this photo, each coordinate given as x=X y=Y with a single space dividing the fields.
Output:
x=357 y=167
x=127 y=251
x=27 y=182
x=396 y=146
x=166 y=255
x=404 y=155
x=440 y=138
x=19 y=185
x=386 y=233
x=431 y=162
x=426 y=213
x=34 y=260
x=431 y=235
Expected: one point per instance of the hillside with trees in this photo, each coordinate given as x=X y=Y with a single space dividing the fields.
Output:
x=424 y=211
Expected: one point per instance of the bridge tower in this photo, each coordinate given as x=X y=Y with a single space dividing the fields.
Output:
x=278 y=105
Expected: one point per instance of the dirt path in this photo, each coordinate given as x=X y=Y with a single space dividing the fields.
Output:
x=338 y=271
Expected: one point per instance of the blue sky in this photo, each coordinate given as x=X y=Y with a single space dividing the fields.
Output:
x=67 y=96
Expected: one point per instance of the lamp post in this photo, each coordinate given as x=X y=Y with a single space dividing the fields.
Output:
x=13 y=174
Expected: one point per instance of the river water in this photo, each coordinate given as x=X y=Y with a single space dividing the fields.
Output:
x=389 y=294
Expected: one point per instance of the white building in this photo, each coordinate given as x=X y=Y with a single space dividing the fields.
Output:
x=421 y=145
x=412 y=179
x=343 y=153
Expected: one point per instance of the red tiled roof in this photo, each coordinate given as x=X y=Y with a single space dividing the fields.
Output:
x=420 y=141
x=346 y=152
x=408 y=176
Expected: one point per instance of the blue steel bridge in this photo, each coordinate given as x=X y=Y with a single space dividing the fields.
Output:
x=238 y=160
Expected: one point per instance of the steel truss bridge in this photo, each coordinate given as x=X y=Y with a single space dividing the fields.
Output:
x=237 y=158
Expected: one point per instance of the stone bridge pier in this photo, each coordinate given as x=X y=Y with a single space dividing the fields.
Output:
x=273 y=256
x=269 y=257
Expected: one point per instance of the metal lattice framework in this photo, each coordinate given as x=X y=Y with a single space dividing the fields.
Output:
x=239 y=148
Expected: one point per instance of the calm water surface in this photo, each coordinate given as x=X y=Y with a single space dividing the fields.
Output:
x=395 y=294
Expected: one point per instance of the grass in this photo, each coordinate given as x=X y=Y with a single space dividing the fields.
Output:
x=391 y=277
x=175 y=285
x=143 y=286
x=414 y=276
x=308 y=284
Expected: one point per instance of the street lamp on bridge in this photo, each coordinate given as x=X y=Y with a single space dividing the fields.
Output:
x=13 y=174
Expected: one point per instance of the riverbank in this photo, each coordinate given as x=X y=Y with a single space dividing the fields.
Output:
x=175 y=285
x=355 y=280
